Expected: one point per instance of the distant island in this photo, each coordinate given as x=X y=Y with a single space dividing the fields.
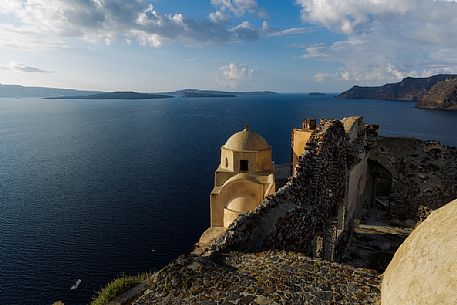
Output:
x=214 y=93
x=118 y=95
x=18 y=91
x=434 y=92
x=316 y=93
x=129 y=95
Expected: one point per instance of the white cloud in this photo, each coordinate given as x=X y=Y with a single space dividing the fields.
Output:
x=237 y=8
x=55 y=23
x=386 y=40
x=35 y=24
x=233 y=74
x=289 y=31
x=218 y=17
x=16 y=67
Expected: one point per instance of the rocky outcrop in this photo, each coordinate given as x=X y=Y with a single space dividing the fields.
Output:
x=409 y=89
x=273 y=277
x=443 y=95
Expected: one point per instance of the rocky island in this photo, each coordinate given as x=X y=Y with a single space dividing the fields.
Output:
x=214 y=93
x=18 y=91
x=118 y=95
x=434 y=92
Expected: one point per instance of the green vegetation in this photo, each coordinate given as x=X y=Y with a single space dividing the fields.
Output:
x=117 y=287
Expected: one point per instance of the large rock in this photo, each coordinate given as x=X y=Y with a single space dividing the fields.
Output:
x=424 y=268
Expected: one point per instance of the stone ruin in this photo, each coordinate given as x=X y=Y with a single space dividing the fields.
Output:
x=345 y=171
x=352 y=198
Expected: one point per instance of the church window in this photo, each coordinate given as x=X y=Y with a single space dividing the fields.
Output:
x=244 y=165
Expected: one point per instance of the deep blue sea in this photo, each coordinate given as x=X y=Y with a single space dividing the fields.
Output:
x=91 y=189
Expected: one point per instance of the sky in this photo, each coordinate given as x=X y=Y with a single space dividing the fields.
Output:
x=279 y=45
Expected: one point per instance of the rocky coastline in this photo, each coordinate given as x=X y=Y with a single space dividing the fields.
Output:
x=434 y=92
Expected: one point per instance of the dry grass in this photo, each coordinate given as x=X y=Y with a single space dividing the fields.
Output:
x=117 y=287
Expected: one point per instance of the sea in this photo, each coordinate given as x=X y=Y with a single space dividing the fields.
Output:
x=94 y=189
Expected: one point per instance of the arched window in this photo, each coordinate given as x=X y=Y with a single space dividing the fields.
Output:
x=226 y=162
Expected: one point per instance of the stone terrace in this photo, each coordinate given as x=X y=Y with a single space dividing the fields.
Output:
x=273 y=277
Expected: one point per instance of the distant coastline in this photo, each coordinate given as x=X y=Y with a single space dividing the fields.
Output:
x=18 y=91
x=434 y=92
x=214 y=93
x=127 y=95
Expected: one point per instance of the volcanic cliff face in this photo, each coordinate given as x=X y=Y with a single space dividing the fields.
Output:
x=443 y=95
x=409 y=89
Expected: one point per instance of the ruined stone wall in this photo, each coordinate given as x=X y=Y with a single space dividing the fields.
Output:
x=424 y=174
x=304 y=208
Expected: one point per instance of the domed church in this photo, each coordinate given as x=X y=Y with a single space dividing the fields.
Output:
x=243 y=179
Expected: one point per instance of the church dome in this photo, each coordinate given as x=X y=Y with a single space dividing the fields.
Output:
x=246 y=140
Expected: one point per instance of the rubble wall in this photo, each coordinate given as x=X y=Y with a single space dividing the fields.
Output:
x=305 y=207
x=424 y=174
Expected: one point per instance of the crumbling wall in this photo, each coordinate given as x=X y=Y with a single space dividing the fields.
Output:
x=304 y=208
x=424 y=174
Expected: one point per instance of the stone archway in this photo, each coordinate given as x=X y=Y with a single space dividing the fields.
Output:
x=379 y=184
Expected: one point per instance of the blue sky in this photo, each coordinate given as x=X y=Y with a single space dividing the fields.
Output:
x=281 y=45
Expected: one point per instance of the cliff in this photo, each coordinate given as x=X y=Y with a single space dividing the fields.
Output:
x=443 y=95
x=409 y=89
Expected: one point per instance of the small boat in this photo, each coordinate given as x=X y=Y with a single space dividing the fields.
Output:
x=75 y=285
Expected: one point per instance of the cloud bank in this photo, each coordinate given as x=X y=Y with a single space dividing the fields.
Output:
x=16 y=67
x=108 y=21
x=385 y=39
x=54 y=23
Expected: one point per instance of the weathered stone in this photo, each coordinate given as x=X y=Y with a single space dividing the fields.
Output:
x=293 y=278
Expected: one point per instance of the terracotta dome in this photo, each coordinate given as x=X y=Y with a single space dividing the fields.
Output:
x=246 y=140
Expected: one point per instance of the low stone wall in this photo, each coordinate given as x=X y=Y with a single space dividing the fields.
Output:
x=424 y=174
x=304 y=208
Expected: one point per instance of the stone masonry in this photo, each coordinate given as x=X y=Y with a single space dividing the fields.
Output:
x=424 y=174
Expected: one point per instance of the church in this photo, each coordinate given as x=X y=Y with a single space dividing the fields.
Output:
x=244 y=177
